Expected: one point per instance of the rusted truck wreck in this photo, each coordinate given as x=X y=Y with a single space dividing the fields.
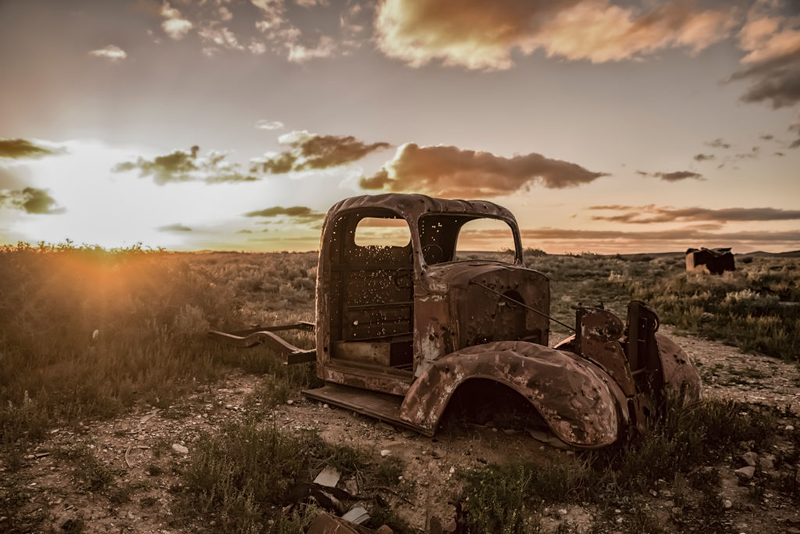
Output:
x=400 y=329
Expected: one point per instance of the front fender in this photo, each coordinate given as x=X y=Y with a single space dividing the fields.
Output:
x=576 y=398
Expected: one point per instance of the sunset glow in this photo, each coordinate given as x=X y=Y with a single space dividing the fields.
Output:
x=605 y=126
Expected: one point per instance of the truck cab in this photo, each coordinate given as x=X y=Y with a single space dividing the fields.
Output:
x=402 y=324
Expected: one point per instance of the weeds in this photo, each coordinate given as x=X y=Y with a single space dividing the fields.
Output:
x=507 y=498
x=87 y=333
x=753 y=308
x=245 y=476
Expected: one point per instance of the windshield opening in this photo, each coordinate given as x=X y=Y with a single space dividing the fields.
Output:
x=446 y=238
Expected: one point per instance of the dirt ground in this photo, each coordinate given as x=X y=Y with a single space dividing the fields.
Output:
x=140 y=449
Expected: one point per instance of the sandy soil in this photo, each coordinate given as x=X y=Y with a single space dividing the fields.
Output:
x=140 y=498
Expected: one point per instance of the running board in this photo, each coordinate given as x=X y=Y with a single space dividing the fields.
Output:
x=381 y=406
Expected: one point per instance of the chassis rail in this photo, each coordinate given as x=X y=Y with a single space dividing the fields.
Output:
x=266 y=335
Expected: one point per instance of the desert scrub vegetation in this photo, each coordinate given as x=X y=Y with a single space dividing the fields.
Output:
x=87 y=332
x=756 y=308
x=255 y=478
x=510 y=497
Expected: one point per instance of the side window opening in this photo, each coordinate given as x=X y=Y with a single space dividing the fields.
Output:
x=382 y=232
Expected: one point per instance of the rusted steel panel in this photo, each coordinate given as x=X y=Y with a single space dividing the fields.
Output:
x=681 y=379
x=572 y=395
x=325 y=523
x=266 y=335
x=598 y=340
x=716 y=260
x=411 y=323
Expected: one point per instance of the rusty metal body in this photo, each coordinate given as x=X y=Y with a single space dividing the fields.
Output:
x=716 y=260
x=400 y=328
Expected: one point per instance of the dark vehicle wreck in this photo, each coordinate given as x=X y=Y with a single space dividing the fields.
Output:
x=399 y=329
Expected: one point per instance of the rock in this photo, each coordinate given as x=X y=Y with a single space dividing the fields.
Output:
x=385 y=452
x=789 y=428
x=180 y=449
x=451 y=526
x=435 y=525
x=745 y=473
x=384 y=529
x=727 y=504
x=351 y=486
x=766 y=463
x=750 y=458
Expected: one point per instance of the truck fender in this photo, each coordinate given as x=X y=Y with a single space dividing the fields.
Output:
x=682 y=384
x=577 y=399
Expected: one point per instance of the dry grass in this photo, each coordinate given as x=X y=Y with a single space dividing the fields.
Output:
x=150 y=310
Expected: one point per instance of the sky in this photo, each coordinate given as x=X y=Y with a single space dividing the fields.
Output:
x=606 y=126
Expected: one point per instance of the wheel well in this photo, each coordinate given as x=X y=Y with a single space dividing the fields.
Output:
x=488 y=402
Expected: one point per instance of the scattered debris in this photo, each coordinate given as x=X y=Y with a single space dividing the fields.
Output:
x=325 y=523
x=356 y=515
x=328 y=477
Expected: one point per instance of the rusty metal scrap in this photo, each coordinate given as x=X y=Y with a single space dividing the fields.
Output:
x=716 y=260
x=399 y=329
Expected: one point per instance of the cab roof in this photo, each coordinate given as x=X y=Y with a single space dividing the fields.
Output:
x=412 y=206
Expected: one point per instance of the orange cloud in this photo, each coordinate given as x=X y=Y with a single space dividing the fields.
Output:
x=482 y=35
x=652 y=214
x=309 y=151
x=174 y=24
x=772 y=62
x=112 y=53
x=449 y=171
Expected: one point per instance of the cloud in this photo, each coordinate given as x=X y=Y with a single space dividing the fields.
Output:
x=300 y=214
x=25 y=149
x=676 y=235
x=483 y=35
x=675 y=176
x=704 y=157
x=450 y=171
x=112 y=53
x=652 y=214
x=753 y=154
x=31 y=200
x=285 y=37
x=177 y=227
x=719 y=143
x=309 y=151
x=300 y=54
x=257 y=47
x=220 y=37
x=795 y=128
x=183 y=166
x=772 y=63
x=264 y=124
x=174 y=25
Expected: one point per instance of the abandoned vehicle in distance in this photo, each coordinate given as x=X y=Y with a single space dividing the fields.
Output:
x=401 y=327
